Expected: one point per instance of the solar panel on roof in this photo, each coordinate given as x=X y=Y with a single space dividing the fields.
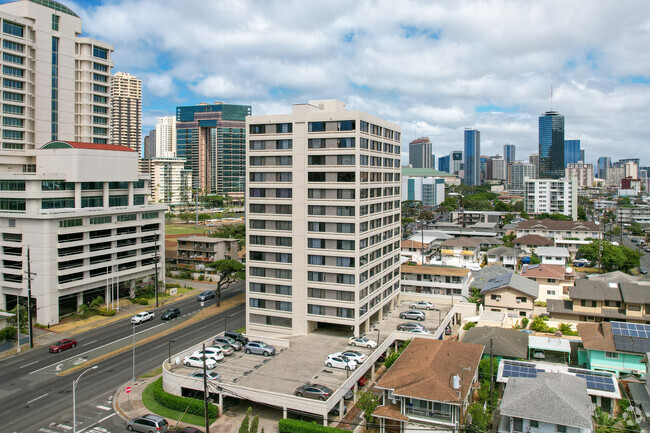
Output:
x=598 y=382
x=519 y=369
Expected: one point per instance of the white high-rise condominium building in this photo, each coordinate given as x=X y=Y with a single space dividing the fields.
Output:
x=583 y=172
x=126 y=111
x=171 y=182
x=499 y=168
x=552 y=196
x=166 y=137
x=84 y=218
x=55 y=84
x=323 y=219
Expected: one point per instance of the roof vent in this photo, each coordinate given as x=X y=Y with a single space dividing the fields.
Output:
x=613 y=285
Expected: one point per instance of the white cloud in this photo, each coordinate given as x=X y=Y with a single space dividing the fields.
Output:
x=427 y=66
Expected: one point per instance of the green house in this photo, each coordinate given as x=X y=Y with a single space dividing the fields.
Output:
x=602 y=351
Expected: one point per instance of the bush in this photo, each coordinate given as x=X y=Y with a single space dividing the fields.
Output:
x=201 y=277
x=565 y=329
x=297 y=426
x=469 y=325
x=524 y=322
x=540 y=304
x=7 y=333
x=390 y=359
x=172 y=285
x=181 y=404
x=106 y=312
x=140 y=301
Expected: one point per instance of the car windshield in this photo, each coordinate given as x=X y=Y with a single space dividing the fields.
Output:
x=58 y=343
x=364 y=339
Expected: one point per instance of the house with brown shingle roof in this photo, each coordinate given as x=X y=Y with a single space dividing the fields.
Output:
x=599 y=351
x=528 y=243
x=464 y=252
x=429 y=384
x=554 y=280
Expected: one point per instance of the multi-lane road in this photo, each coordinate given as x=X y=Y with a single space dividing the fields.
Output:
x=34 y=398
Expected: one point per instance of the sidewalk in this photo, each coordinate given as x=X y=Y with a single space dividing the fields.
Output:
x=45 y=337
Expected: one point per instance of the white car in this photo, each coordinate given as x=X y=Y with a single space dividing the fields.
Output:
x=195 y=361
x=340 y=362
x=353 y=355
x=211 y=352
x=142 y=317
x=423 y=305
x=362 y=341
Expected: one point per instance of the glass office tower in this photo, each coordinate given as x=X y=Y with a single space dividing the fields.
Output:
x=572 y=153
x=509 y=153
x=472 y=157
x=551 y=145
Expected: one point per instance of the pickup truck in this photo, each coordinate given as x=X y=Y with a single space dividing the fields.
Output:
x=142 y=317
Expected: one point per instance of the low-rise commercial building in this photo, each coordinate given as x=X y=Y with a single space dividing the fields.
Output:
x=202 y=250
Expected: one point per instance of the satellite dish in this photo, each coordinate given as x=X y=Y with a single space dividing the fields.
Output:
x=568 y=270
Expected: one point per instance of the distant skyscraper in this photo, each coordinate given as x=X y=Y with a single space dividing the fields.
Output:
x=551 y=145
x=582 y=155
x=150 y=145
x=443 y=163
x=571 y=152
x=166 y=137
x=420 y=155
x=533 y=158
x=499 y=168
x=212 y=140
x=517 y=172
x=604 y=162
x=126 y=111
x=456 y=161
x=509 y=153
x=472 y=165
x=486 y=168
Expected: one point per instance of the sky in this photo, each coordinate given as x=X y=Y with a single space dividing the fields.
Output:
x=433 y=67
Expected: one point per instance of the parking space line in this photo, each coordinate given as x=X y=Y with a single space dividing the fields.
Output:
x=37 y=398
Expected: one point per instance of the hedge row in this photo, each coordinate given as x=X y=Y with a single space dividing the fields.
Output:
x=181 y=404
x=297 y=426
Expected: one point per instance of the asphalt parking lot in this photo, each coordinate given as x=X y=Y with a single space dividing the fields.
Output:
x=390 y=321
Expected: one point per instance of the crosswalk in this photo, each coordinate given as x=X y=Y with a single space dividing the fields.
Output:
x=87 y=420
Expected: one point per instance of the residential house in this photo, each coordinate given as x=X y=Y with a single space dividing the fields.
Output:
x=640 y=393
x=599 y=350
x=435 y=280
x=602 y=386
x=569 y=234
x=202 y=250
x=414 y=251
x=431 y=240
x=528 y=243
x=490 y=242
x=502 y=256
x=593 y=300
x=554 y=280
x=430 y=384
x=464 y=252
x=551 y=349
x=506 y=292
x=548 y=403
x=553 y=255
x=506 y=343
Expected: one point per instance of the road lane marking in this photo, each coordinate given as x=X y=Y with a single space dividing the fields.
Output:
x=94 y=341
x=99 y=406
x=98 y=422
x=47 y=430
x=96 y=348
x=64 y=427
x=27 y=365
x=37 y=398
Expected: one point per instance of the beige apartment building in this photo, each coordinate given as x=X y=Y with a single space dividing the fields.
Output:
x=126 y=111
x=323 y=219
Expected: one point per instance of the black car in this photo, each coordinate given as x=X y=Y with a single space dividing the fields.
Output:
x=171 y=313
x=204 y=296
x=237 y=337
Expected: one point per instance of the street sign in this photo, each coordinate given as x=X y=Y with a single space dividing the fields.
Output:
x=173 y=291
x=128 y=389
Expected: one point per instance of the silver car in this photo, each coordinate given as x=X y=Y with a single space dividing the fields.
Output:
x=227 y=340
x=259 y=348
x=413 y=314
x=148 y=423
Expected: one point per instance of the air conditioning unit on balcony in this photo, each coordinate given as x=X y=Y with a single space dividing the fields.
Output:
x=518 y=301
x=498 y=299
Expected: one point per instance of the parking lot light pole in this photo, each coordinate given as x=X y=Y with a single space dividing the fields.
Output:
x=74 y=398
x=170 y=351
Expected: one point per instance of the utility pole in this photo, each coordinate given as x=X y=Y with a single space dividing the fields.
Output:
x=155 y=266
x=491 y=378
x=29 y=300
x=205 y=393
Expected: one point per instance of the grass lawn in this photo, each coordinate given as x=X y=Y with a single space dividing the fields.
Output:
x=154 y=407
x=153 y=373
x=181 y=229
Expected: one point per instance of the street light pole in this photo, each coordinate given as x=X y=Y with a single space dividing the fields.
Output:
x=74 y=398
x=133 y=337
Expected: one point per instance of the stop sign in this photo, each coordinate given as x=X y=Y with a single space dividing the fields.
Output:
x=128 y=389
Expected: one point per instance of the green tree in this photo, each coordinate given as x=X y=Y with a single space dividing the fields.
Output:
x=228 y=271
x=604 y=422
x=185 y=216
x=244 y=427
x=500 y=206
x=450 y=203
x=582 y=213
x=255 y=424
x=480 y=418
x=232 y=231
x=614 y=257
x=11 y=321
x=636 y=229
x=534 y=259
x=507 y=240
x=367 y=402
x=484 y=367
x=524 y=214
x=475 y=295
x=625 y=201
x=97 y=302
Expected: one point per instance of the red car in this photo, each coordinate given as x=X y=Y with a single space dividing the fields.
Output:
x=64 y=344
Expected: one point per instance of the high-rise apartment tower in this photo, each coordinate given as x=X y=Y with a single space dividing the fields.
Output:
x=126 y=111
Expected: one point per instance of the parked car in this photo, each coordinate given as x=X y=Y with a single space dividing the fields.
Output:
x=357 y=357
x=335 y=410
x=447 y=330
x=227 y=340
x=643 y=270
x=580 y=263
x=142 y=317
x=413 y=315
x=408 y=326
x=211 y=375
x=148 y=423
x=527 y=331
x=364 y=380
x=204 y=296
x=259 y=348
x=315 y=391
x=61 y=345
x=211 y=352
x=171 y=313
x=539 y=354
x=227 y=349
x=418 y=331
x=340 y=362
x=186 y=430
x=362 y=341
x=423 y=305
x=237 y=337
x=348 y=395
x=195 y=361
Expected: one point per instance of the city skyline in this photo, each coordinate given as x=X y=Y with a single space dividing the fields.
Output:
x=321 y=55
